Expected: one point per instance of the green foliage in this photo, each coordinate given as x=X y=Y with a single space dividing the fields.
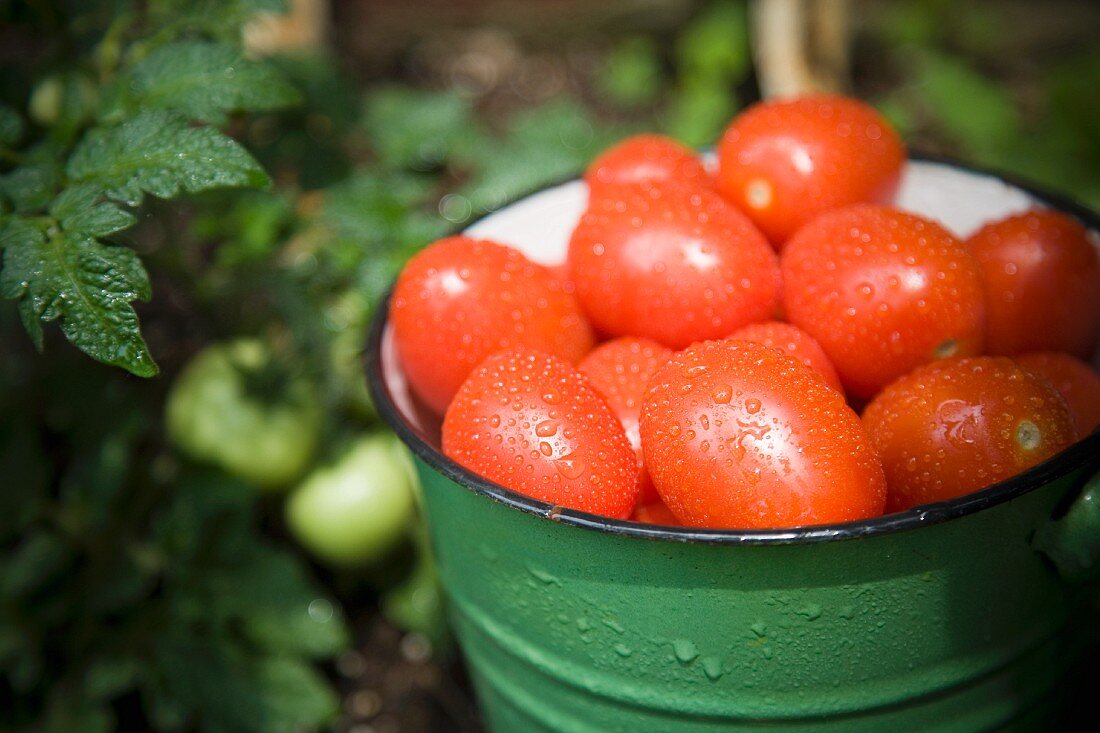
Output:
x=632 y=76
x=411 y=128
x=63 y=272
x=963 y=90
x=147 y=141
x=201 y=80
x=712 y=58
x=161 y=154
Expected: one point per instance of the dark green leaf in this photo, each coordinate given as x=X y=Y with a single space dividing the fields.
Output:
x=699 y=110
x=228 y=689
x=31 y=187
x=200 y=80
x=157 y=152
x=67 y=714
x=26 y=471
x=110 y=677
x=88 y=286
x=38 y=561
x=373 y=207
x=278 y=606
x=977 y=113
x=11 y=125
x=81 y=211
x=715 y=44
x=632 y=74
x=414 y=128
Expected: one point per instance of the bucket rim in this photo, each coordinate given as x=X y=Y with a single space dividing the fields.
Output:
x=1079 y=455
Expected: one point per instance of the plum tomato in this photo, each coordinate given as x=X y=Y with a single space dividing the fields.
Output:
x=671 y=262
x=882 y=291
x=655 y=513
x=461 y=299
x=795 y=342
x=644 y=158
x=1076 y=381
x=959 y=425
x=740 y=435
x=784 y=162
x=620 y=370
x=532 y=423
x=1042 y=279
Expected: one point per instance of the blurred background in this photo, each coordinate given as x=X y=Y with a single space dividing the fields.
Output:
x=156 y=572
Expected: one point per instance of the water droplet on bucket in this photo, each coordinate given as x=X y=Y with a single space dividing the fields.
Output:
x=685 y=650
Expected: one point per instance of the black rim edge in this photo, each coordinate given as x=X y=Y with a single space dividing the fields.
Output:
x=1077 y=456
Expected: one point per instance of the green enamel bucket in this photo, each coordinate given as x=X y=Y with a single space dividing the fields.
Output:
x=960 y=616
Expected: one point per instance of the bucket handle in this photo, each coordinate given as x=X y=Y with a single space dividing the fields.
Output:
x=1072 y=542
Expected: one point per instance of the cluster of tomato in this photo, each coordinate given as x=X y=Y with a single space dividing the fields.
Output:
x=747 y=316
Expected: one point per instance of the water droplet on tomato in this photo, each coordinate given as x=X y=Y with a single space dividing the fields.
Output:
x=570 y=468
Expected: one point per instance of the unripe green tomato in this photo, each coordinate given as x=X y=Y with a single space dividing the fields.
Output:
x=218 y=412
x=353 y=511
x=45 y=103
x=69 y=98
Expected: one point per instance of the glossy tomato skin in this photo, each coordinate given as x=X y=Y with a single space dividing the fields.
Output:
x=461 y=299
x=784 y=162
x=959 y=425
x=740 y=435
x=532 y=423
x=671 y=263
x=796 y=343
x=655 y=513
x=882 y=291
x=1076 y=381
x=1042 y=278
x=645 y=158
x=620 y=370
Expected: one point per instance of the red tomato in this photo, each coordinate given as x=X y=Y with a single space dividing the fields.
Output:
x=1075 y=380
x=672 y=263
x=532 y=423
x=882 y=291
x=656 y=513
x=959 y=425
x=1042 y=279
x=737 y=434
x=461 y=299
x=795 y=342
x=785 y=162
x=620 y=371
x=645 y=158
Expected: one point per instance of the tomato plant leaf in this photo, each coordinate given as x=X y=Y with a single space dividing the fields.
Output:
x=30 y=187
x=81 y=210
x=157 y=152
x=200 y=80
x=69 y=276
